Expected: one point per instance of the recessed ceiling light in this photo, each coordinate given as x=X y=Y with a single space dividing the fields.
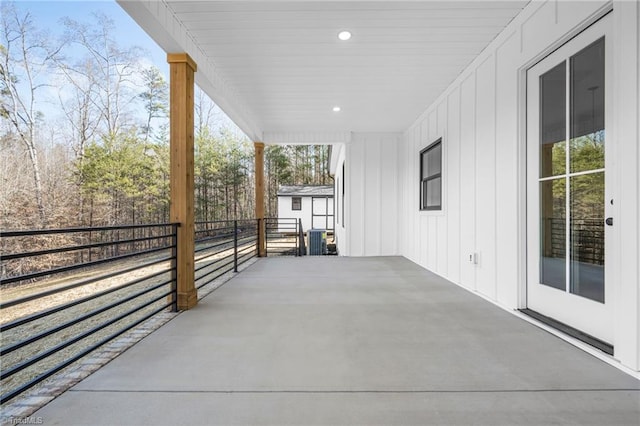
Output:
x=336 y=109
x=344 y=35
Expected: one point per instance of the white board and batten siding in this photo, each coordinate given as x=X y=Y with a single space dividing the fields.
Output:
x=477 y=240
x=337 y=165
x=372 y=207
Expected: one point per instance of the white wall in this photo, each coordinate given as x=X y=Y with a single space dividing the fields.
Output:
x=480 y=120
x=285 y=211
x=337 y=161
x=372 y=202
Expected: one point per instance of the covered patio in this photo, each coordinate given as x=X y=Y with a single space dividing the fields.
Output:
x=386 y=82
x=419 y=322
x=334 y=340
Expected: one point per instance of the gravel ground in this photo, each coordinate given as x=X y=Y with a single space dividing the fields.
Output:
x=41 y=394
x=211 y=259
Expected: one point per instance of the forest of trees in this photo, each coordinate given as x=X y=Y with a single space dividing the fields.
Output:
x=84 y=135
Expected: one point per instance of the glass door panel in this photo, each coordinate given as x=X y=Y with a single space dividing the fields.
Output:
x=568 y=183
x=553 y=221
x=587 y=180
x=582 y=273
x=553 y=129
x=587 y=236
x=587 y=108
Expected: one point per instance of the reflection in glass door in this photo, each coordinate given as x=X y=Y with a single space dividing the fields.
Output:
x=553 y=185
x=587 y=168
x=575 y=221
x=566 y=130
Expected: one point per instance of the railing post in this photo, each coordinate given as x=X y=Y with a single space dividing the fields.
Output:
x=265 y=234
x=90 y=247
x=297 y=239
x=258 y=237
x=174 y=268
x=303 y=249
x=235 y=246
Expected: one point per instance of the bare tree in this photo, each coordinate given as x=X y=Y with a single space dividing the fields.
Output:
x=205 y=112
x=25 y=56
x=78 y=104
x=105 y=85
x=60 y=195
x=11 y=189
x=114 y=71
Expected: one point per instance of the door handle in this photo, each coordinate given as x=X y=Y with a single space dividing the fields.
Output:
x=609 y=221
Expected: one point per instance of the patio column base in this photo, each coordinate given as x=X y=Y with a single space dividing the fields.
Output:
x=187 y=300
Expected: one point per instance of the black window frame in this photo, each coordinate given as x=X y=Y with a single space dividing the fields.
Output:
x=424 y=180
x=293 y=203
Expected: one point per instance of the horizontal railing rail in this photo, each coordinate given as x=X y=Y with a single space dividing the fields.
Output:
x=222 y=246
x=282 y=236
x=586 y=237
x=74 y=248
x=31 y=254
x=66 y=292
x=44 y=293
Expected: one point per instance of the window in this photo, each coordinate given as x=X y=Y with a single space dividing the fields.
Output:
x=296 y=203
x=431 y=177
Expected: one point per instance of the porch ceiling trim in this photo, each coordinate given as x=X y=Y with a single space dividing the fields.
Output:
x=309 y=138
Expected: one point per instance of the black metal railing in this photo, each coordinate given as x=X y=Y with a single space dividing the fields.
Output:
x=221 y=246
x=587 y=241
x=282 y=237
x=586 y=238
x=67 y=292
x=302 y=247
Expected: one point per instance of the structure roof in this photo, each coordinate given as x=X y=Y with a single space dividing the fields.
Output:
x=277 y=68
x=306 y=190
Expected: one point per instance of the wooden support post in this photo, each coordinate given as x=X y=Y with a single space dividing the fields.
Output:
x=181 y=111
x=259 y=173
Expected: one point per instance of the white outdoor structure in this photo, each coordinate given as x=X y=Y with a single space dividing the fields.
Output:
x=311 y=203
x=499 y=206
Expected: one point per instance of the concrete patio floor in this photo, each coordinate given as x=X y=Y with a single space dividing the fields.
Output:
x=329 y=340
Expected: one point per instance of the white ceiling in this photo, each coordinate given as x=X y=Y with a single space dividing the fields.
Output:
x=278 y=66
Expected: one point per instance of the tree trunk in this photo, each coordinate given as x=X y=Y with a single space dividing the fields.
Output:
x=33 y=156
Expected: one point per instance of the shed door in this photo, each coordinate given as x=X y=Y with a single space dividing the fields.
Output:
x=322 y=213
